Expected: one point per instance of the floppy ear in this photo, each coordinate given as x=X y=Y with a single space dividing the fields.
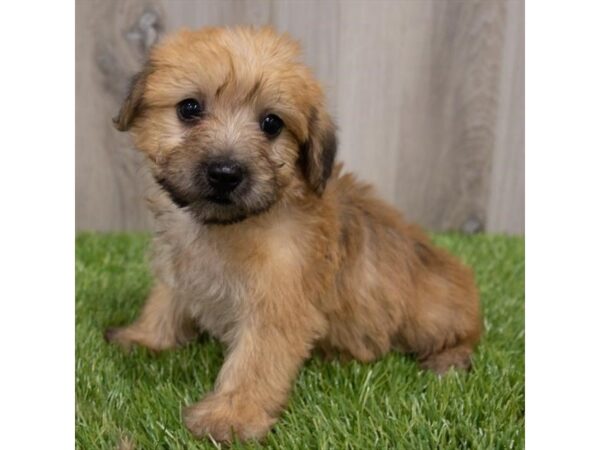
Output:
x=133 y=102
x=317 y=154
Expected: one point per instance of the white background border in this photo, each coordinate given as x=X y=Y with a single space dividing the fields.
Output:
x=562 y=224
x=37 y=184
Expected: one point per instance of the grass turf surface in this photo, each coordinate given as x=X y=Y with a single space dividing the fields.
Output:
x=387 y=404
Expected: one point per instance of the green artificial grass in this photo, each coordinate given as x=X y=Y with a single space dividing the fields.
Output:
x=387 y=404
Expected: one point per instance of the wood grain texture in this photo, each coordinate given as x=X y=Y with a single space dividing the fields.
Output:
x=428 y=97
x=506 y=204
x=112 y=40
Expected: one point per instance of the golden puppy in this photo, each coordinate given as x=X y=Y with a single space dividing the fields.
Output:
x=263 y=243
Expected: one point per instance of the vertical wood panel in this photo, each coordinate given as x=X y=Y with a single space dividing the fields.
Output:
x=316 y=25
x=369 y=89
x=112 y=39
x=448 y=112
x=506 y=204
x=194 y=14
x=428 y=96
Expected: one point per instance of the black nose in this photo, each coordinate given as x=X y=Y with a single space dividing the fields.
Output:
x=224 y=176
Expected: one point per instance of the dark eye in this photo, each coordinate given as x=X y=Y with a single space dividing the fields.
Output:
x=271 y=125
x=189 y=110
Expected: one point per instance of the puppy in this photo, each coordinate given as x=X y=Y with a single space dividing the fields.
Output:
x=264 y=243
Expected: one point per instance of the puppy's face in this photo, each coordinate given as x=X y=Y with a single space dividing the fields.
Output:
x=230 y=121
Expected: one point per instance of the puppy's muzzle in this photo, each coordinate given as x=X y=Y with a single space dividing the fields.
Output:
x=223 y=178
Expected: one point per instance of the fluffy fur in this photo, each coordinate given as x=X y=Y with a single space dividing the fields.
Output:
x=302 y=257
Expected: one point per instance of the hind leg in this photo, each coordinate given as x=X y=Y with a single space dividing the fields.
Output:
x=458 y=357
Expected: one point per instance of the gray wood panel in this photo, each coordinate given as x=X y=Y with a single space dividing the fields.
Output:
x=428 y=97
x=506 y=204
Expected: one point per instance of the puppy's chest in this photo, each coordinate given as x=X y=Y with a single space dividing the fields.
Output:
x=204 y=280
x=218 y=275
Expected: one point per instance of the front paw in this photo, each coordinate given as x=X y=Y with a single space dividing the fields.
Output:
x=225 y=417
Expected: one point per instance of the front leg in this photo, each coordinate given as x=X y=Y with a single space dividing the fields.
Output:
x=161 y=325
x=253 y=385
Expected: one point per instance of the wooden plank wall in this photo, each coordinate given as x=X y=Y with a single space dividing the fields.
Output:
x=428 y=96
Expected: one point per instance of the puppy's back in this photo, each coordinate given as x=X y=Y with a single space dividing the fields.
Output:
x=394 y=287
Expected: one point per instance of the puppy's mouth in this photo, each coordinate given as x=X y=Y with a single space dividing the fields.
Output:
x=182 y=200
x=218 y=208
x=220 y=199
x=222 y=210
